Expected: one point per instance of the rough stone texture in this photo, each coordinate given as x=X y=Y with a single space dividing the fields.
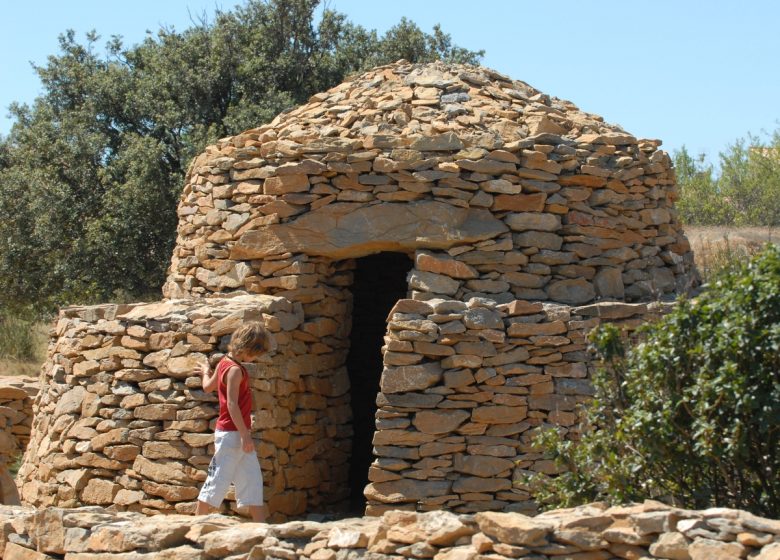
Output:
x=523 y=371
x=475 y=167
x=16 y=417
x=512 y=205
x=585 y=533
x=136 y=431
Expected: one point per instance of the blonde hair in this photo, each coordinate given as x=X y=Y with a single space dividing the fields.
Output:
x=252 y=337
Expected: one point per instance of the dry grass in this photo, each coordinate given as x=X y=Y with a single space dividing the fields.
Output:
x=16 y=367
x=717 y=248
x=23 y=346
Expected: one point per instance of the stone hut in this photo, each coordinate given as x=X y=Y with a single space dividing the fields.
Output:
x=430 y=245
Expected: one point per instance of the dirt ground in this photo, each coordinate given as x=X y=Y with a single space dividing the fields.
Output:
x=14 y=367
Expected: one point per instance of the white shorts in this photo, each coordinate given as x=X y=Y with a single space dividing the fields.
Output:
x=231 y=464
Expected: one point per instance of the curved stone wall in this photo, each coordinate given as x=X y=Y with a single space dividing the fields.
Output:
x=16 y=417
x=122 y=420
x=464 y=386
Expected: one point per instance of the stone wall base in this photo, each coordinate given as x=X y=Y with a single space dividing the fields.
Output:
x=592 y=532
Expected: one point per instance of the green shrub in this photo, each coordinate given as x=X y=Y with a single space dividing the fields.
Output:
x=691 y=413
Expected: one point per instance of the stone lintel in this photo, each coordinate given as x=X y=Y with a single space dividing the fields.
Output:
x=347 y=230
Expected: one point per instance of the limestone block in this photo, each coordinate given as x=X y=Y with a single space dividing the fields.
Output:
x=608 y=283
x=480 y=465
x=499 y=414
x=574 y=292
x=401 y=437
x=523 y=221
x=655 y=216
x=170 y=492
x=526 y=330
x=166 y=471
x=405 y=490
x=428 y=262
x=99 y=491
x=439 y=421
x=343 y=230
x=70 y=402
x=156 y=412
x=769 y=552
x=410 y=378
x=14 y=551
x=514 y=528
x=440 y=142
x=671 y=545
x=287 y=183
x=710 y=549
x=482 y=318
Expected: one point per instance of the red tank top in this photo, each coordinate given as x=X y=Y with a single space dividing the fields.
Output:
x=225 y=422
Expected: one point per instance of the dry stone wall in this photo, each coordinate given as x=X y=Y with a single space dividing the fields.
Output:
x=122 y=420
x=16 y=397
x=464 y=386
x=593 y=532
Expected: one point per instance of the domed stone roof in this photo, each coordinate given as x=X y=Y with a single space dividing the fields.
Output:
x=456 y=158
x=431 y=107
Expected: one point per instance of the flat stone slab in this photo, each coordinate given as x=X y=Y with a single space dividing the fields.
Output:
x=348 y=230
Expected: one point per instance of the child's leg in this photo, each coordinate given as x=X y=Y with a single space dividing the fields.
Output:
x=249 y=487
x=222 y=469
x=202 y=508
x=258 y=513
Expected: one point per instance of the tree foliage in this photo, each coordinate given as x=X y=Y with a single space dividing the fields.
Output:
x=91 y=172
x=744 y=192
x=692 y=413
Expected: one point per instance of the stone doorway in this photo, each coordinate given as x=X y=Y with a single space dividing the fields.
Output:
x=379 y=282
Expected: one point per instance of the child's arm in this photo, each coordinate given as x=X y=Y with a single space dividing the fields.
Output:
x=209 y=378
x=233 y=382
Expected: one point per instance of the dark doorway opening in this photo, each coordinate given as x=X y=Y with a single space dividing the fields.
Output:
x=379 y=282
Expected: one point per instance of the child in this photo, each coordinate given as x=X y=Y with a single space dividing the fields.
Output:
x=234 y=458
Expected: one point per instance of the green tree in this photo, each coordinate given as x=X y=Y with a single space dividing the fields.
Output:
x=91 y=172
x=750 y=181
x=745 y=191
x=692 y=413
x=699 y=202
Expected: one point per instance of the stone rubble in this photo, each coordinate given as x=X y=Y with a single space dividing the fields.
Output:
x=591 y=532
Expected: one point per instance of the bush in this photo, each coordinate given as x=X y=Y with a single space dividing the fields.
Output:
x=691 y=413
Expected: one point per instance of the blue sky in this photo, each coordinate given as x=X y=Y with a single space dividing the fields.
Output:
x=694 y=73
